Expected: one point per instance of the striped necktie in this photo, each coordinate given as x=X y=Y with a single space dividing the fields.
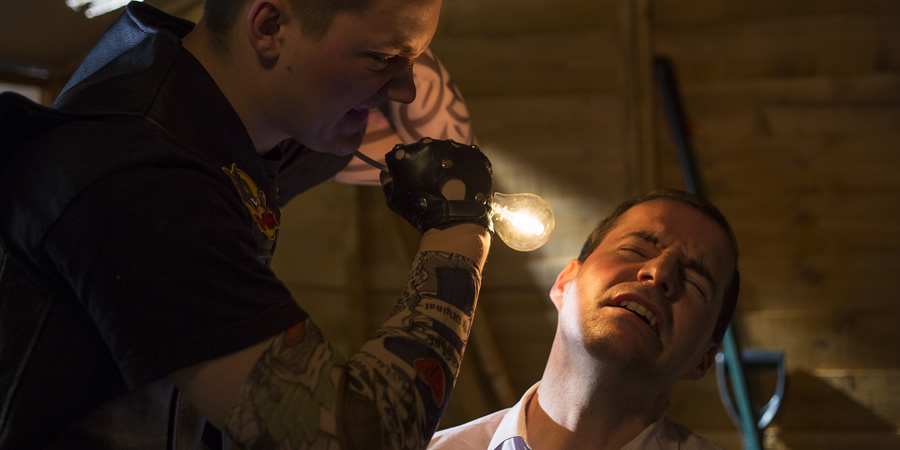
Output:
x=513 y=443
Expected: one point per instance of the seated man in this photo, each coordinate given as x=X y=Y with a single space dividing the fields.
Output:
x=645 y=305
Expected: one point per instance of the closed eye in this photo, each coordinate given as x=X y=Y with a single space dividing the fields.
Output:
x=696 y=286
x=379 y=61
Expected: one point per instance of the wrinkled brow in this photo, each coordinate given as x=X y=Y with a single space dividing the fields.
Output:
x=693 y=264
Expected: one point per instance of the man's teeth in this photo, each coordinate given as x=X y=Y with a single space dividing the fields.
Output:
x=638 y=309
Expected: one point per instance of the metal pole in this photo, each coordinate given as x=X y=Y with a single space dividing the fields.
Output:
x=662 y=70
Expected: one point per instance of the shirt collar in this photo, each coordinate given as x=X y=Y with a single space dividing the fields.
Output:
x=513 y=423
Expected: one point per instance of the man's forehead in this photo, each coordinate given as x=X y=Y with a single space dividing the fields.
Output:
x=671 y=222
x=399 y=26
x=669 y=215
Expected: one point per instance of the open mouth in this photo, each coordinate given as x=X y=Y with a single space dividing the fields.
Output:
x=645 y=314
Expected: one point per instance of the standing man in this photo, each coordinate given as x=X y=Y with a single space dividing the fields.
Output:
x=137 y=309
x=644 y=306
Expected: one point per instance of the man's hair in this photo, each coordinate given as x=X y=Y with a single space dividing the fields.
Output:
x=315 y=15
x=708 y=209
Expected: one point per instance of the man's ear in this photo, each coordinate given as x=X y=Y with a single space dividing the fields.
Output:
x=563 y=281
x=265 y=22
x=705 y=361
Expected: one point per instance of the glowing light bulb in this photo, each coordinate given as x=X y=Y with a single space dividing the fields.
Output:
x=523 y=221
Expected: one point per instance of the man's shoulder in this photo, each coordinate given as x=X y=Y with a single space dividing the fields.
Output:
x=666 y=434
x=687 y=439
x=476 y=434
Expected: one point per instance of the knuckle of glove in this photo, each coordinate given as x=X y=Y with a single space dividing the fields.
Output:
x=420 y=172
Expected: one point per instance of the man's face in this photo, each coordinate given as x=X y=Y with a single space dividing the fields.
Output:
x=649 y=295
x=328 y=85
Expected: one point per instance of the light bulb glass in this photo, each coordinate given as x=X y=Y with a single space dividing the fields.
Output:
x=523 y=221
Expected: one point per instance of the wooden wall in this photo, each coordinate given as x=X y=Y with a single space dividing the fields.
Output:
x=795 y=112
x=794 y=108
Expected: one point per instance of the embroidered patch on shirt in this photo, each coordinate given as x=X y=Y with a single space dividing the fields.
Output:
x=255 y=201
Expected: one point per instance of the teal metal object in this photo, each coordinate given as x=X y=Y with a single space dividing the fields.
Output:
x=732 y=357
x=729 y=361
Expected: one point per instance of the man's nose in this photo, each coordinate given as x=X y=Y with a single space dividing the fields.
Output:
x=662 y=272
x=401 y=88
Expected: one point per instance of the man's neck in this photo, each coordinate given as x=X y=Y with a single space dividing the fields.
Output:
x=231 y=76
x=604 y=412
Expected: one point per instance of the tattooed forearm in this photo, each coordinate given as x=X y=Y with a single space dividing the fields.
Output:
x=394 y=390
x=289 y=400
x=409 y=367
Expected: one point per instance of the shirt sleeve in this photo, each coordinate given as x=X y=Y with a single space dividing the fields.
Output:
x=163 y=262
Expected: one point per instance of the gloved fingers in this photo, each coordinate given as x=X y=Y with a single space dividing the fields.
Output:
x=385 y=178
x=439 y=183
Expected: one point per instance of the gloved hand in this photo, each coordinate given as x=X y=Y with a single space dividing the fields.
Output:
x=439 y=183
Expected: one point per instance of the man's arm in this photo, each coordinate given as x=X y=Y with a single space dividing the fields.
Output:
x=293 y=391
x=392 y=393
x=438 y=112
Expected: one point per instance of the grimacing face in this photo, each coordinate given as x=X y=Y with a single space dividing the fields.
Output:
x=650 y=293
x=327 y=85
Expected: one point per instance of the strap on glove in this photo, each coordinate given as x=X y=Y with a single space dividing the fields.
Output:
x=422 y=171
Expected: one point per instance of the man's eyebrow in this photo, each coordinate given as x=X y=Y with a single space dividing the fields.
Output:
x=396 y=47
x=643 y=235
x=693 y=264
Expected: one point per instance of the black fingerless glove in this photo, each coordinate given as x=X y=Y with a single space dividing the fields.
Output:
x=420 y=171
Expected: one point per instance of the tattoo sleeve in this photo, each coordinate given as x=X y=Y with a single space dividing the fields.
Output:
x=301 y=394
x=438 y=112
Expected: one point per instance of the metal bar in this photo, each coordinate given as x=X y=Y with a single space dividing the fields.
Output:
x=674 y=112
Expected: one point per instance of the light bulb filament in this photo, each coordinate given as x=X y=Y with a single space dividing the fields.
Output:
x=524 y=222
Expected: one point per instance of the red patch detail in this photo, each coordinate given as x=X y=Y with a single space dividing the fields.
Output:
x=294 y=334
x=430 y=371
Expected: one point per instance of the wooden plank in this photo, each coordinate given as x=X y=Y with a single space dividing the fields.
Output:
x=798 y=151
x=636 y=35
x=848 y=338
x=503 y=299
x=860 y=212
x=879 y=390
x=832 y=119
x=554 y=127
x=738 y=94
x=510 y=17
x=525 y=326
x=844 y=402
x=563 y=62
x=803 y=46
x=792 y=120
x=805 y=177
x=825 y=439
x=799 y=283
x=696 y=404
x=862 y=251
x=698 y=12
x=815 y=403
x=319 y=252
x=525 y=362
x=387 y=252
x=589 y=182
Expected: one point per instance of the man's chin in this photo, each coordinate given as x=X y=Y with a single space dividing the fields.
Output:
x=340 y=145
